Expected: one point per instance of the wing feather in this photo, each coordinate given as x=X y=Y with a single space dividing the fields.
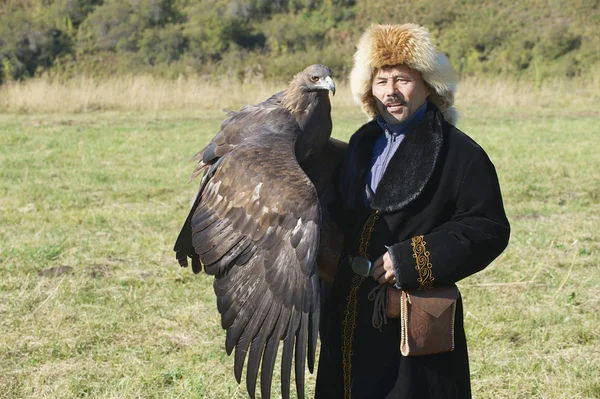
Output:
x=231 y=304
x=313 y=326
x=301 y=354
x=246 y=332
x=287 y=354
x=258 y=346
x=270 y=354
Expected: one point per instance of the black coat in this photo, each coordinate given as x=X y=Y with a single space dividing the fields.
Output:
x=439 y=200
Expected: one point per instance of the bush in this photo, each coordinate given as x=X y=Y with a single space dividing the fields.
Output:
x=556 y=42
x=72 y=12
x=26 y=46
x=106 y=26
x=164 y=45
x=118 y=25
x=211 y=30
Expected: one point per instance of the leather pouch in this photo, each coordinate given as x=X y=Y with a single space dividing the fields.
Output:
x=427 y=319
x=392 y=302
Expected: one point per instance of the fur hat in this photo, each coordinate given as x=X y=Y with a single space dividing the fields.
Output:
x=408 y=44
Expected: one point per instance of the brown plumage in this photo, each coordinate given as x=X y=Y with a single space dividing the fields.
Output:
x=255 y=226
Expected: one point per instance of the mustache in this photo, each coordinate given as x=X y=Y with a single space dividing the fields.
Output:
x=395 y=99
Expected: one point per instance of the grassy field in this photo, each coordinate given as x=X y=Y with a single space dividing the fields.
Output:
x=94 y=305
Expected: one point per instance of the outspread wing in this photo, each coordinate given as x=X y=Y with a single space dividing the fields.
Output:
x=235 y=129
x=256 y=229
x=247 y=123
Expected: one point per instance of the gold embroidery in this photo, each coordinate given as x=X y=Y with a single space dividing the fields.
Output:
x=421 y=256
x=365 y=236
x=349 y=323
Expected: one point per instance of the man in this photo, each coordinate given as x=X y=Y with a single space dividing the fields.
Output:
x=421 y=201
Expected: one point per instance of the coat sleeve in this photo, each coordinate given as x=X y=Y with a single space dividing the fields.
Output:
x=475 y=235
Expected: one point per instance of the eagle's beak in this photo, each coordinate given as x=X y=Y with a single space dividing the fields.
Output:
x=327 y=84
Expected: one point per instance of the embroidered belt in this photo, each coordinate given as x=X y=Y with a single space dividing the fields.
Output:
x=362 y=268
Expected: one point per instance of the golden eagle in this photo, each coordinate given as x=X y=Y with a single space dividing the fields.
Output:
x=256 y=226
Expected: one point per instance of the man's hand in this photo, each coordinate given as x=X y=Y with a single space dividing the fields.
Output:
x=383 y=269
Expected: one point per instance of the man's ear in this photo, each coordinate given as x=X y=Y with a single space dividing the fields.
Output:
x=428 y=89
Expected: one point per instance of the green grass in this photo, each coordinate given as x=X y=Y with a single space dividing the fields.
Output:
x=104 y=194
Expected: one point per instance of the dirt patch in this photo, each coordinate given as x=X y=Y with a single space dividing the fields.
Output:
x=99 y=271
x=55 y=271
x=145 y=276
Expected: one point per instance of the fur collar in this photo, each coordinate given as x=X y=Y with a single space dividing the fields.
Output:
x=409 y=170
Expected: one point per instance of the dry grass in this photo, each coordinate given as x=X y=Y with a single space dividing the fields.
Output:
x=147 y=93
x=135 y=93
x=555 y=93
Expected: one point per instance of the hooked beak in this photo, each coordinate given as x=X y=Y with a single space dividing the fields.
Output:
x=328 y=84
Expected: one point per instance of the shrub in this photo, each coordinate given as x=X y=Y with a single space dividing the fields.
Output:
x=26 y=46
x=556 y=42
x=163 y=45
x=106 y=26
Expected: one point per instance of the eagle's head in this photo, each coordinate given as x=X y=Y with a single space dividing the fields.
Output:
x=315 y=77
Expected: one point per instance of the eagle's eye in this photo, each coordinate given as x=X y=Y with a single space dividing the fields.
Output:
x=315 y=79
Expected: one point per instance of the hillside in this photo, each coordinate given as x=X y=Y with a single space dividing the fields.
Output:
x=248 y=39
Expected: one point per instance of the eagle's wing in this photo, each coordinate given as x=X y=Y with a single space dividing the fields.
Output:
x=249 y=122
x=236 y=128
x=256 y=228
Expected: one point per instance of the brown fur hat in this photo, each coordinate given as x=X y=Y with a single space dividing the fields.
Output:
x=408 y=44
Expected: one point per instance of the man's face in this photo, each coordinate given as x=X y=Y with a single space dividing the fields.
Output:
x=399 y=92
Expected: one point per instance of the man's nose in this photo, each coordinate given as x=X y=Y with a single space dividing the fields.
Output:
x=390 y=87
